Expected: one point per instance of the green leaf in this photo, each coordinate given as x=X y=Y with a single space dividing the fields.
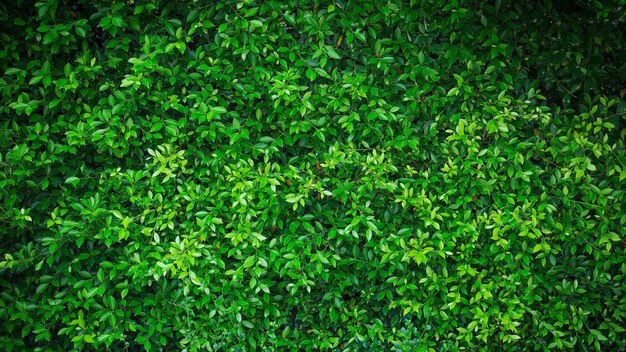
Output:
x=360 y=36
x=453 y=91
x=73 y=180
x=332 y=53
x=156 y=127
x=598 y=335
x=311 y=74
x=421 y=57
x=12 y=71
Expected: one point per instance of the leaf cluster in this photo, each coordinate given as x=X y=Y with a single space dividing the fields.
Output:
x=312 y=175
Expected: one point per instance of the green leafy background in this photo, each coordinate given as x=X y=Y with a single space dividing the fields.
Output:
x=304 y=175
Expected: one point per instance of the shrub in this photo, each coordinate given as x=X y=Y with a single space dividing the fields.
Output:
x=304 y=175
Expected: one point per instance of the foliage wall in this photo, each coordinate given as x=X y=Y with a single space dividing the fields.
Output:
x=303 y=175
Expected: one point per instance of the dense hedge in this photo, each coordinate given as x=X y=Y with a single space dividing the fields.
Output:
x=303 y=175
